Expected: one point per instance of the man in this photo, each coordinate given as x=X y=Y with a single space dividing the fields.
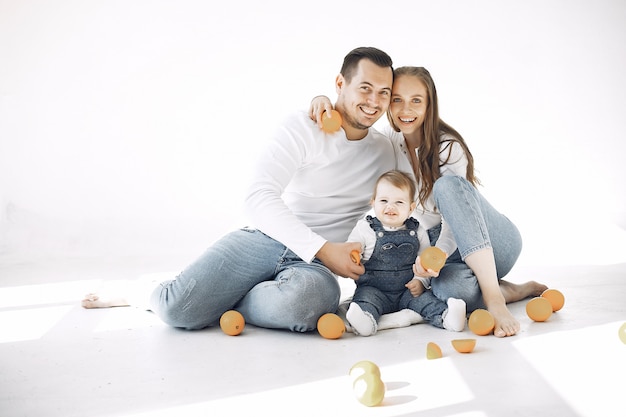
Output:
x=309 y=189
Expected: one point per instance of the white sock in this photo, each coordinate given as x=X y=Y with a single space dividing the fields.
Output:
x=361 y=321
x=402 y=318
x=342 y=310
x=455 y=317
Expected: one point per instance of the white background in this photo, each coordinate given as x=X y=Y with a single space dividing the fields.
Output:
x=128 y=127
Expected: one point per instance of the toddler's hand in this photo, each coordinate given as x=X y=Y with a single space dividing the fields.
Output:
x=415 y=287
x=419 y=270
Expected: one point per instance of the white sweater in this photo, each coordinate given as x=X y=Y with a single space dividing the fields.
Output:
x=427 y=215
x=310 y=187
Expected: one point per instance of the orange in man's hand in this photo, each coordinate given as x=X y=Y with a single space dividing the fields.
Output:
x=232 y=322
x=331 y=326
x=356 y=256
x=433 y=258
x=333 y=123
x=481 y=322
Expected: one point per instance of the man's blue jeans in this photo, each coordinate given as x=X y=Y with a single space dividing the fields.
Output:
x=248 y=271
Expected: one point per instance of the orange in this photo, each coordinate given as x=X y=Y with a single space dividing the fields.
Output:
x=232 y=322
x=539 y=309
x=622 y=333
x=369 y=389
x=432 y=258
x=481 y=322
x=364 y=367
x=433 y=351
x=555 y=297
x=331 y=326
x=333 y=123
x=464 y=345
x=356 y=257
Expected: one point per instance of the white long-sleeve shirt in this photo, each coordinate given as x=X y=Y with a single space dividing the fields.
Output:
x=427 y=215
x=310 y=187
x=365 y=235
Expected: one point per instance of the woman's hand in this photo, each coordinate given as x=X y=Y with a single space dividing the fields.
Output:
x=319 y=105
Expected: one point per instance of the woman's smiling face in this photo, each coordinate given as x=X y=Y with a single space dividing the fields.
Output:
x=409 y=102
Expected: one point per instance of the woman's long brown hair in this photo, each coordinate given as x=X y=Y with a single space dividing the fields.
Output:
x=428 y=152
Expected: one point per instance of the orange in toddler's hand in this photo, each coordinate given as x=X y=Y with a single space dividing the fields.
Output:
x=232 y=322
x=464 y=345
x=555 y=297
x=539 y=309
x=331 y=326
x=433 y=351
x=331 y=124
x=356 y=256
x=481 y=322
x=433 y=258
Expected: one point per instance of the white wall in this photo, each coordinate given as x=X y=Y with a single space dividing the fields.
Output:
x=129 y=126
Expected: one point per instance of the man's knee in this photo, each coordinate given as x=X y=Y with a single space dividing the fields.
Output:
x=314 y=295
x=294 y=300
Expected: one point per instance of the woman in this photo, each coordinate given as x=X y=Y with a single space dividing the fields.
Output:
x=481 y=244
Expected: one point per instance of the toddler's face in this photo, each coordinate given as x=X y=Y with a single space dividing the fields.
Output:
x=392 y=205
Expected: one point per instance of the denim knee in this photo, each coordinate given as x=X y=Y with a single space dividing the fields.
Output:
x=181 y=311
x=319 y=296
x=448 y=186
x=294 y=300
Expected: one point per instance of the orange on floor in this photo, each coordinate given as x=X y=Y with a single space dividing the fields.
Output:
x=232 y=322
x=556 y=298
x=331 y=326
x=464 y=345
x=539 y=309
x=481 y=322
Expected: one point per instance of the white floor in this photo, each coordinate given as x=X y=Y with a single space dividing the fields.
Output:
x=57 y=359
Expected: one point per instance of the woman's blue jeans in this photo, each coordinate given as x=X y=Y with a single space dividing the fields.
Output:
x=250 y=272
x=476 y=225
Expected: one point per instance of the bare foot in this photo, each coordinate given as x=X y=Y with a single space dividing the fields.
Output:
x=516 y=292
x=93 y=300
x=506 y=324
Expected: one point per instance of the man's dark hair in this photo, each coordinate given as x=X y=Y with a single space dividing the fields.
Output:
x=351 y=61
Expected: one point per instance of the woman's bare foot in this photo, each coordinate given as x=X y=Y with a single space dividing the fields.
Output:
x=516 y=292
x=93 y=300
x=506 y=324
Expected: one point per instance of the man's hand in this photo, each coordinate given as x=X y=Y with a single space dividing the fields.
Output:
x=336 y=257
